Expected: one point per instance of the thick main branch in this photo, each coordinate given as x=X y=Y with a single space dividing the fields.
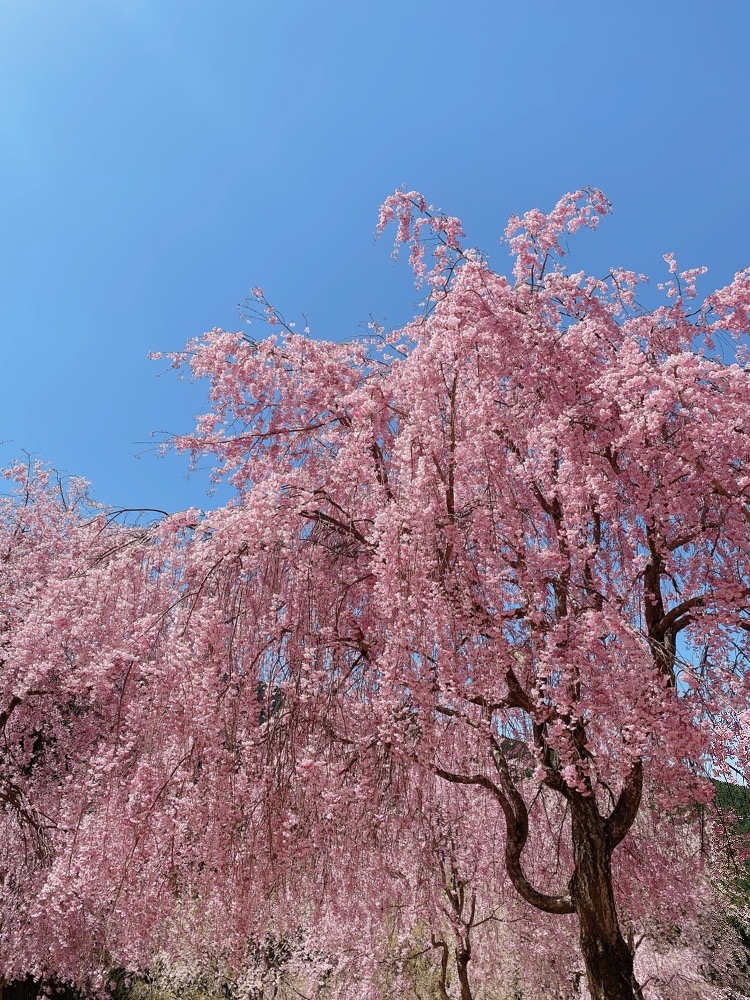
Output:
x=517 y=831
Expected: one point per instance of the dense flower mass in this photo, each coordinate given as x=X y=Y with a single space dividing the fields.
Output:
x=451 y=674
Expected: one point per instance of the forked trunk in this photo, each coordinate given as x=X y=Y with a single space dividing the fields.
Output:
x=608 y=960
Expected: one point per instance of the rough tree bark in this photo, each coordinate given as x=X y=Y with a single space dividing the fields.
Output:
x=609 y=963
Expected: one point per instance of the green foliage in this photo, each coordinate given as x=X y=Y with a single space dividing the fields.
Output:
x=733 y=804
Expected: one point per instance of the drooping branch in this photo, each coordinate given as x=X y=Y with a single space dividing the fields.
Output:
x=443 y=981
x=517 y=832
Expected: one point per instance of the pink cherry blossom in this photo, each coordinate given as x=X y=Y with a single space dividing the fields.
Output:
x=441 y=691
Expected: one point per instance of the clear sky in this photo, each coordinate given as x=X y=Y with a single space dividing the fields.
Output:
x=160 y=157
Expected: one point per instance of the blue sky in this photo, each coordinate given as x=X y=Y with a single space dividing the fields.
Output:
x=160 y=157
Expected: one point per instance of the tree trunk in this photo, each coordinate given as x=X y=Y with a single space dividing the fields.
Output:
x=462 y=967
x=609 y=963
